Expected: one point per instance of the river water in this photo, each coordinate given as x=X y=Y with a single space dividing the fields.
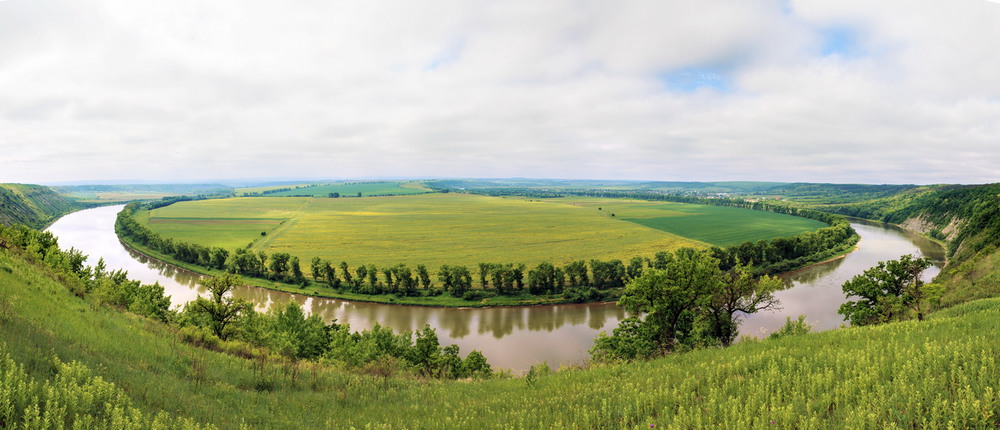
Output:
x=510 y=338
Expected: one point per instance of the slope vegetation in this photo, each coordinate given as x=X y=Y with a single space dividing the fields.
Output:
x=32 y=205
x=965 y=217
x=936 y=373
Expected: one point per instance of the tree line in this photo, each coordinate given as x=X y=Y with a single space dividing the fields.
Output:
x=578 y=281
x=225 y=323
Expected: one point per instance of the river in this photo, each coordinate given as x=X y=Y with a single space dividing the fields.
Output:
x=510 y=338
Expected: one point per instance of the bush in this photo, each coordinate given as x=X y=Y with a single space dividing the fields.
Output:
x=792 y=328
x=474 y=295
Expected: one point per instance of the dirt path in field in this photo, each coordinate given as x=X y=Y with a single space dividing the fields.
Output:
x=263 y=243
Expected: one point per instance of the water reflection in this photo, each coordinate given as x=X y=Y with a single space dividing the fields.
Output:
x=512 y=338
x=816 y=290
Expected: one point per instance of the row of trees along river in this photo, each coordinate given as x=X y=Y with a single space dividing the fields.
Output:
x=512 y=338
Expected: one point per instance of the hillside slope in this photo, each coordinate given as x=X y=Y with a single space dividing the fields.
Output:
x=32 y=205
x=965 y=217
x=934 y=373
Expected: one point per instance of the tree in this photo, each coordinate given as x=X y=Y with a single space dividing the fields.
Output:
x=279 y=265
x=425 y=277
x=740 y=292
x=426 y=352
x=663 y=303
x=330 y=274
x=297 y=276
x=222 y=311
x=296 y=335
x=634 y=269
x=455 y=279
x=347 y=273
x=886 y=291
x=316 y=268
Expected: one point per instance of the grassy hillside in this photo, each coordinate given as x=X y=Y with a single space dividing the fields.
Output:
x=32 y=205
x=965 y=217
x=937 y=373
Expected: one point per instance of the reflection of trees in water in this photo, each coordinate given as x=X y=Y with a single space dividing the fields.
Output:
x=327 y=309
x=811 y=274
x=457 y=323
x=544 y=318
x=501 y=321
x=183 y=277
x=599 y=315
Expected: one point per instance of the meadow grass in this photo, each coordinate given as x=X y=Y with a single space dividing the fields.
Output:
x=437 y=229
x=938 y=373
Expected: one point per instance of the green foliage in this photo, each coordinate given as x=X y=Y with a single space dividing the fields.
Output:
x=795 y=327
x=220 y=311
x=887 y=291
x=73 y=398
x=32 y=205
x=684 y=301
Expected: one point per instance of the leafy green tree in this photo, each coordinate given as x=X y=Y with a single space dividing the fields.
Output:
x=373 y=276
x=455 y=279
x=279 y=265
x=426 y=352
x=577 y=274
x=221 y=310
x=330 y=274
x=296 y=335
x=663 y=302
x=886 y=291
x=740 y=293
x=346 y=271
x=450 y=363
x=297 y=277
x=425 y=277
x=634 y=269
x=316 y=268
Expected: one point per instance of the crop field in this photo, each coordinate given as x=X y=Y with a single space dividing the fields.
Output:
x=346 y=189
x=437 y=229
x=716 y=225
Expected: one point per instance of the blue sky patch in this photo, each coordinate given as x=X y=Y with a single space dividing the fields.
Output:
x=842 y=41
x=690 y=79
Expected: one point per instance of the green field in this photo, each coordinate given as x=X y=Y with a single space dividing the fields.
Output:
x=345 y=189
x=436 y=229
x=717 y=225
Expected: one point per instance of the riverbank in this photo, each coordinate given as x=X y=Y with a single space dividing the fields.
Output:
x=312 y=290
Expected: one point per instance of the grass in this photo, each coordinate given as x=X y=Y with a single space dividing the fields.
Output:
x=717 y=225
x=933 y=374
x=437 y=229
x=346 y=189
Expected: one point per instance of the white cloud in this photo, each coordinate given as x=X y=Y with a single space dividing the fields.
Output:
x=188 y=90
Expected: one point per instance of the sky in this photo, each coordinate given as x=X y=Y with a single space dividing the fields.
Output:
x=847 y=91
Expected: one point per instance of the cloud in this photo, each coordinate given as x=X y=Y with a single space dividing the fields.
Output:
x=763 y=90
